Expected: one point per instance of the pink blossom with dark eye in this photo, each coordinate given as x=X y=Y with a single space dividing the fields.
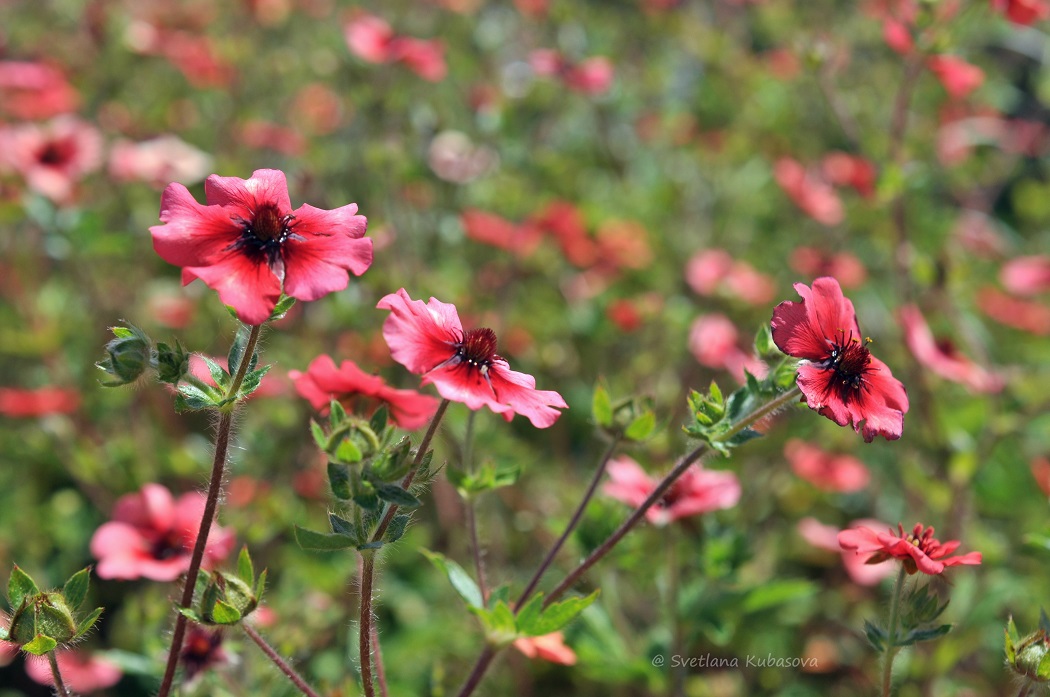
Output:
x=941 y=357
x=429 y=340
x=81 y=671
x=697 y=491
x=824 y=470
x=919 y=550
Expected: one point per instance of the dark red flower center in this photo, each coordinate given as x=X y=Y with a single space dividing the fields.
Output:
x=477 y=349
x=202 y=649
x=923 y=539
x=167 y=546
x=263 y=235
x=56 y=152
x=850 y=359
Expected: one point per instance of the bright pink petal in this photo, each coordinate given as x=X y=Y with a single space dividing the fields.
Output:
x=333 y=245
x=265 y=186
x=249 y=288
x=409 y=409
x=421 y=336
x=628 y=482
x=193 y=235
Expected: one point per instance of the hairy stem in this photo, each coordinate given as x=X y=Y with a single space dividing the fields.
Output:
x=281 y=664
x=891 y=650
x=60 y=686
x=218 y=470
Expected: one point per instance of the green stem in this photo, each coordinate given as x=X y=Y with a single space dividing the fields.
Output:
x=891 y=649
x=677 y=687
x=469 y=510
x=218 y=469
x=278 y=661
x=60 y=686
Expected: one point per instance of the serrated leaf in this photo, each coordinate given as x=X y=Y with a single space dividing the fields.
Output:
x=317 y=431
x=461 y=581
x=347 y=451
x=555 y=617
x=85 y=625
x=378 y=422
x=281 y=308
x=641 y=427
x=40 y=645
x=240 y=343
x=876 y=636
x=225 y=614
x=245 y=569
x=218 y=373
x=342 y=526
x=917 y=635
x=601 y=407
x=397 y=528
x=75 y=589
x=394 y=494
x=336 y=413
x=738 y=404
x=19 y=586
x=252 y=380
x=312 y=540
x=192 y=398
x=339 y=480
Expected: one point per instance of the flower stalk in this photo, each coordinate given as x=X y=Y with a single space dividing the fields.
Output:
x=891 y=647
x=60 y=686
x=278 y=661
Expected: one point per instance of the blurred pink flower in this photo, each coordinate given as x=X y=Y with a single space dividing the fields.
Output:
x=369 y=37
x=152 y=536
x=249 y=245
x=897 y=36
x=825 y=470
x=827 y=537
x=919 y=550
x=625 y=315
x=489 y=228
x=323 y=381
x=622 y=244
x=170 y=308
x=958 y=77
x=26 y=404
x=1023 y=11
x=52 y=157
x=1026 y=315
x=429 y=340
x=977 y=234
x=372 y=39
x=1040 y=467
x=713 y=341
x=158 y=161
x=30 y=91
x=1026 y=275
x=815 y=262
x=941 y=358
x=814 y=196
x=711 y=271
x=549 y=647
x=565 y=222
x=256 y=133
x=696 y=492
x=202 y=650
x=424 y=57
x=592 y=76
x=81 y=672
x=843 y=169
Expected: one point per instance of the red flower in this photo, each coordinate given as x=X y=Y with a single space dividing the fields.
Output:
x=839 y=377
x=429 y=340
x=158 y=161
x=713 y=342
x=372 y=39
x=919 y=550
x=152 y=536
x=813 y=262
x=1026 y=275
x=27 y=404
x=1026 y=315
x=712 y=270
x=827 y=537
x=247 y=242
x=549 y=647
x=53 y=157
x=488 y=228
x=35 y=90
x=322 y=382
x=591 y=76
x=814 y=196
x=697 y=491
x=81 y=672
x=942 y=358
x=825 y=470
x=958 y=77
x=1023 y=11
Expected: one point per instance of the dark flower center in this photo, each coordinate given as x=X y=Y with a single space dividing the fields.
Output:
x=167 y=546
x=477 y=349
x=263 y=235
x=56 y=152
x=849 y=359
x=202 y=649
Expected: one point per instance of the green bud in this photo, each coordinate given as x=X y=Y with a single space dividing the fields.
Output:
x=128 y=356
x=43 y=613
x=172 y=363
x=1030 y=657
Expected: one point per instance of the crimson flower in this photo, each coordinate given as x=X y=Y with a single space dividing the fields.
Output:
x=249 y=245
x=827 y=537
x=825 y=470
x=152 y=536
x=809 y=191
x=429 y=340
x=697 y=491
x=958 y=77
x=919 y=549
x=26 y=404
x=839 y=377
x=1023 y=11
x=323 y=381
x=550 y=647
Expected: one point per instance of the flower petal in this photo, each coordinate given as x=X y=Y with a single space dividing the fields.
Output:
x=246 y=195
x=249 y=288
x=421 y=336
x=333 y=244
x=193 y=234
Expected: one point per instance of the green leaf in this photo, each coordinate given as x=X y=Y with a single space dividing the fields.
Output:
x=192 y=398
x=123 y=332
x=240 y=342
x=347 y=451
x=459 y=479
x=317 y=431
x=336 y=414
x=260 y=587
x=715 y=392
x=876 y=636
x=225 y=614
x=501 y=594
x=601 y=407
x=252 y=380
x=309 y=539
x=460 y=579
x=394 y=494
x=76 y=588
x=281 y=308
x=191 y=614
x=917 y=635
x=378 y=422
x=641 y=427
x=218 y=374
x=498 y=623
x=1043 y=671
x=342 y=526
x=245 y=569
x=339 y=480
x=19 y=586
x=775 y=593
x=397 y=528
x=555 y=617
x=88 y=622
x=40 y=645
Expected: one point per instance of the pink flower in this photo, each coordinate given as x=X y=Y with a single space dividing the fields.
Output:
x=565 y=222
x=592 y=76
x=429 y=340
x=158 y=161
x=825 y=470
x=35 y=90
x=839 y=377
x=1023 y=11
x=696 y=492
x=713 y=341
x=322 y=382
x=815 y=197
x=918 y=550
x=54 y=157
x=1026 y=275
x=249 y=245
x=1040 y=467
x=152 y=536
x=549 y=647
x=369 y=37
x=941 y=357
x=814 y=262
x=257 y=133
x=28 y=404
x=958 y=77
x=81 y=672
x=488 y=228
x=424 y=57
x=372 y=39
x=843 y=169
x=1025 y=315
x=827 y=537
x=711 y=271
x=897 y=36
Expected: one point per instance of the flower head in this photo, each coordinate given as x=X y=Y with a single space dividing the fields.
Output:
x=550 y=647
x=919 y=549
x=839 y=377
x=429 y=340
x=825 y=470
x=697 y=491
x=827 y=537
x=52 y=157
x=152 y=536
x=81 y=671
x=248 y=244
x=323 y=381
x=942 y=358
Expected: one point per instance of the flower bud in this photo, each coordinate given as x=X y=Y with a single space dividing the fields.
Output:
x=128 y=356
x=1029 y=657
